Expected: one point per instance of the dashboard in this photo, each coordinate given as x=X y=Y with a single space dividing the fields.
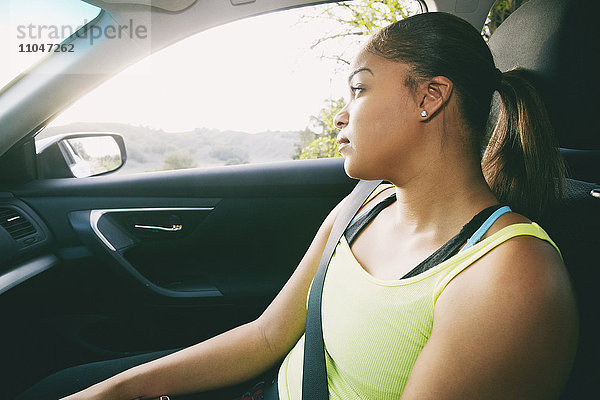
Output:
x=24 y=243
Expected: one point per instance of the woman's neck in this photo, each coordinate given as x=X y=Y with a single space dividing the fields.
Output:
x=442 y=197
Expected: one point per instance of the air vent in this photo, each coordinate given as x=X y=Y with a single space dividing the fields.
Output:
x=15 y=223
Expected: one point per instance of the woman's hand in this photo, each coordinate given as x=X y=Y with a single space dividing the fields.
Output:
x=102 y=391
x=230 y=358
x=97 y=392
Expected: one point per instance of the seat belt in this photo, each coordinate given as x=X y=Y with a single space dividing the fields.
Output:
x=314 y=376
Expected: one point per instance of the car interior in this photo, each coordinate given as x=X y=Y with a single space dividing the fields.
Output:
x=115 y=265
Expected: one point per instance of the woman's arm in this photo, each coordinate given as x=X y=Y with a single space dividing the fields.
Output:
x=232 y=357
x=505 y=328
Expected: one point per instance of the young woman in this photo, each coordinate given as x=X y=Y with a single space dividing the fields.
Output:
x=489 y=315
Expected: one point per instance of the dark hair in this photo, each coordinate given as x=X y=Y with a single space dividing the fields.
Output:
x=521 y=163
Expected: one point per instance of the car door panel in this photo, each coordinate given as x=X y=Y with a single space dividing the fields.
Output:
x=110 y=232
x=226 y=228
x=244 y=229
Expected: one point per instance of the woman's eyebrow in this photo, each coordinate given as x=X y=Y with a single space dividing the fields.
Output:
x=356 y=71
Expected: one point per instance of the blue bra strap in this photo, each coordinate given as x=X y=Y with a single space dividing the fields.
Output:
x=485 y=226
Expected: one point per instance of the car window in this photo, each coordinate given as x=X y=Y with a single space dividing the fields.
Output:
x=255 y=90
x=35 y=28
x=499 y=12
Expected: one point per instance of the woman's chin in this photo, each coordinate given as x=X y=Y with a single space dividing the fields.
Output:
x=356 y=171
x=348 y=168
x=353 y=170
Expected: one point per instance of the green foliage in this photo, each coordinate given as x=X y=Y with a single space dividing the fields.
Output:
x=151 y=149
x=362 y=18
x=322 y=123
x=178 y=160
x=368 y=16
x=353 y=21
x=358 y=19
x=231 y=155
x=109 y=163
x=159 y=148
x=135 y=154
x=79 y=149
x=305 y=138
x=322 y=147
x=499 y=12
x=320 y=140
x=147 y=148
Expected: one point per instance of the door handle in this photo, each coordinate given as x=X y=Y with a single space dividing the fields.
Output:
x=172 y=228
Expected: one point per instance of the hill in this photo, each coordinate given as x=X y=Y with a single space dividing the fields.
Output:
x=150 y=149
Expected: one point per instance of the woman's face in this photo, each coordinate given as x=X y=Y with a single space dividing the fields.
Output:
x=380 y=124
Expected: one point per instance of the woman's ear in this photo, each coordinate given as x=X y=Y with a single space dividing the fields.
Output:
x=434 y=94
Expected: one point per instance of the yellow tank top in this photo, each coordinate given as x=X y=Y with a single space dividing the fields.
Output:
x=375 y=329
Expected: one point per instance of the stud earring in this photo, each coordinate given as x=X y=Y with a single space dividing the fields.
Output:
x=424 y=113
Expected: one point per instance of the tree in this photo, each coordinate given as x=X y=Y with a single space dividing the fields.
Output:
x=230 y=155
x=319 y=141
x=358 y=20
x=353 y=22
x=321 y=147
x=306 y=137
x=501 y=10
x=323 y=122
x=109 y=163
x=178 y=160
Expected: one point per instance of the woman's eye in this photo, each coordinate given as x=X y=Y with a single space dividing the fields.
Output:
x=356 y=90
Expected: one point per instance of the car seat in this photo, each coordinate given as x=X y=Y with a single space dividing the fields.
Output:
x=555 y=40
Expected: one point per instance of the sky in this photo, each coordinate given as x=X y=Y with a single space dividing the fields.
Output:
x=252 y=75
x=17 y=15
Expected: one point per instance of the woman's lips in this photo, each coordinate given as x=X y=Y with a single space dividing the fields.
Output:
x=343 y=141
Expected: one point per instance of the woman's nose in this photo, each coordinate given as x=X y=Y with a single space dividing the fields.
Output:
x=341 y=118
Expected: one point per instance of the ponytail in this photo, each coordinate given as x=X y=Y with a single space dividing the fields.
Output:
x=522 y=163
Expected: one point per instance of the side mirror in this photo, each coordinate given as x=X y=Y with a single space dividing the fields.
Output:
x=80 y=155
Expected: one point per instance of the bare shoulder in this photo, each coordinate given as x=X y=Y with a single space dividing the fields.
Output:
x=524 y=273
x=521 y=262
x=510 y=320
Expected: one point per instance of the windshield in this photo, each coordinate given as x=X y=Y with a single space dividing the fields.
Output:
x=30 y=30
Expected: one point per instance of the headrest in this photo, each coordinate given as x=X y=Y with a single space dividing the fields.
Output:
x=557 y=41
